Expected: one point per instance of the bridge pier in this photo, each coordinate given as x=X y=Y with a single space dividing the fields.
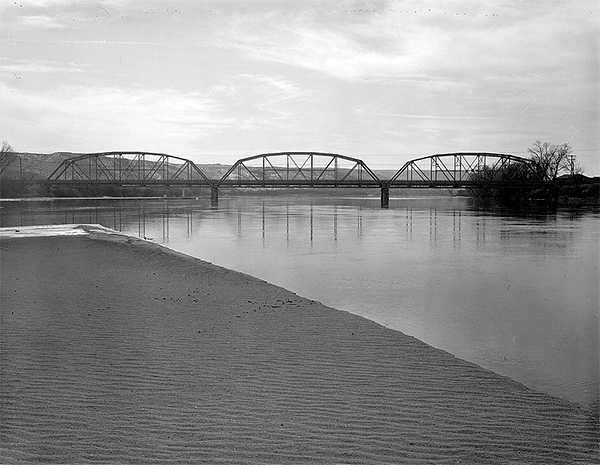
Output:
x=214 y=195
x=385 y=196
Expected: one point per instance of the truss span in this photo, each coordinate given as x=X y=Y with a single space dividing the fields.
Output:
x=300 y=169
x=128 y=169
x=466 y=169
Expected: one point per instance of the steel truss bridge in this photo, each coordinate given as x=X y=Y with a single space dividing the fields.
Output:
x=297 y=169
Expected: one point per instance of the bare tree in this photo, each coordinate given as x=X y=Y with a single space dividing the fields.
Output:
x=7 y=156
x=551 y=159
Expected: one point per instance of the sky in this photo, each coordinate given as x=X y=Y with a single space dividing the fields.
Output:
x=384 y=81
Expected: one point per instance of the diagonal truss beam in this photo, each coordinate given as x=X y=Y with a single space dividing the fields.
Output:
x=306 y=168
x=455 y=168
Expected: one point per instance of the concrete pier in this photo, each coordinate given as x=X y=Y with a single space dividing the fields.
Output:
x=214 y=195
x=385 y=196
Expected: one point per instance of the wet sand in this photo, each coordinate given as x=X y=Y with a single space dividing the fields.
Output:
x=116 y=350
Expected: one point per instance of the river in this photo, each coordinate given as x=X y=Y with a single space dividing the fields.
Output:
x=515 y=291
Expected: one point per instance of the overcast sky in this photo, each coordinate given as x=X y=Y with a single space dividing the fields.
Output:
x=385 y=81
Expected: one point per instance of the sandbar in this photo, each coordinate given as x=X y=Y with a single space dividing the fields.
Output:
x=117 y=350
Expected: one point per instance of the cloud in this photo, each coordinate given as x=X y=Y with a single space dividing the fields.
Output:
x=109 y=118
x=441 y=117
x=274 y=90
x=39 y=66
x=398 y=38
x=330 y=52
x=41 y=21
x=259 y=101
x=36 y=13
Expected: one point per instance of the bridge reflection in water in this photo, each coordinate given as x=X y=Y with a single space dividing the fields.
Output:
x=296 y=220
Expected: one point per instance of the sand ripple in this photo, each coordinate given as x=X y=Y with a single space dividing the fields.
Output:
x=126 y=353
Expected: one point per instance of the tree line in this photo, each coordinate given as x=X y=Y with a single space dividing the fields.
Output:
x=551 y=160
x=553 y=173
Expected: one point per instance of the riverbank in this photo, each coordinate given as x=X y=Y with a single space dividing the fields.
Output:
x=118 y=350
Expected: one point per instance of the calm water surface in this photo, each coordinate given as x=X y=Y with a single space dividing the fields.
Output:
x=513 y=291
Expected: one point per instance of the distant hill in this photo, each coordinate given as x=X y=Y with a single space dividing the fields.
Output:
x=35 y=165
x=213 y=171
x=385 y=174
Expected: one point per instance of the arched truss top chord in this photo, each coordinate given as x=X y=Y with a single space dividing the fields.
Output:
x=129 y=168
x=463 y=169
x=314 y=169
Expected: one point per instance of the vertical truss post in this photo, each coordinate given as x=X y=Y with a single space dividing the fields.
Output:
x=483 y=161
x=335 y=170
x=456 y=159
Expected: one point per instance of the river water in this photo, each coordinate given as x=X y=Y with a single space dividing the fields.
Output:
x=515 y=291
